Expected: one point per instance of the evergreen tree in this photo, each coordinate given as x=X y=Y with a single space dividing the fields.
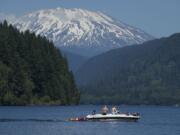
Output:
x=33 y=71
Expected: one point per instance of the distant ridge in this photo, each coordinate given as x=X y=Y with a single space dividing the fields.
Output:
x=141 y=74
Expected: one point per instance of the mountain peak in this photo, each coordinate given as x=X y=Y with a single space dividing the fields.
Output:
x=80 y=30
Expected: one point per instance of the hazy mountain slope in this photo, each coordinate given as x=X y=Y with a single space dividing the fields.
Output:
x=74 y=60
x=141 y=74
x=81 y=31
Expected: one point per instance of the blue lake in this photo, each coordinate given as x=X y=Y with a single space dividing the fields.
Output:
x=155 y=120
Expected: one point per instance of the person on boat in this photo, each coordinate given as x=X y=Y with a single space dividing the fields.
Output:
x=93 y=112
x=105 y=110
x=114 y=110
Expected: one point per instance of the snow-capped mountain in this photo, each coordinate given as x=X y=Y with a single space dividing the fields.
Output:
x=81 y=31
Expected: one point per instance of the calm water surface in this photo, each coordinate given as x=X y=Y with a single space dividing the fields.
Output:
x=155 y=120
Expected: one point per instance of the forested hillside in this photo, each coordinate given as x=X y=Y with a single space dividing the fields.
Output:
x=141 y=74
x=33 y=71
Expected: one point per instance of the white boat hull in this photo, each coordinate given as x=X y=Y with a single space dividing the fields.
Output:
x=126 y=117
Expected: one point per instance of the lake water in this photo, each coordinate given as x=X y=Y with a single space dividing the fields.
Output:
x=155 y=120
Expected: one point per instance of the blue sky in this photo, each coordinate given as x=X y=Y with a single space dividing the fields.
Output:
x=157 y=17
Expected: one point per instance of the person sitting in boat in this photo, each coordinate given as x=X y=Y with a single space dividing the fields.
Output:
x=114 y=110
x=105 y=110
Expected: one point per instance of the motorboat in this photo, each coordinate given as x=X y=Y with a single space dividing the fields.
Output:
x=105 y=116
x=115 y=116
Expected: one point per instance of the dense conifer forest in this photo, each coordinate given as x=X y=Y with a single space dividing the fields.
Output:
x=139 y=74
x=33 y=71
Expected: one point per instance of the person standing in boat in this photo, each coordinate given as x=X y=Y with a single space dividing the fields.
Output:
x=105 y=110
x=114 y=110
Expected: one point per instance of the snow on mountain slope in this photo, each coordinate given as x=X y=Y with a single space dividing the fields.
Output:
x=81 y=31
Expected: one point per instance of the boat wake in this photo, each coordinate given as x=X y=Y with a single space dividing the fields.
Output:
x=30 y=120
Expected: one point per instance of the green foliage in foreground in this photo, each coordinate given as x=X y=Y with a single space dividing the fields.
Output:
x=33 y=71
